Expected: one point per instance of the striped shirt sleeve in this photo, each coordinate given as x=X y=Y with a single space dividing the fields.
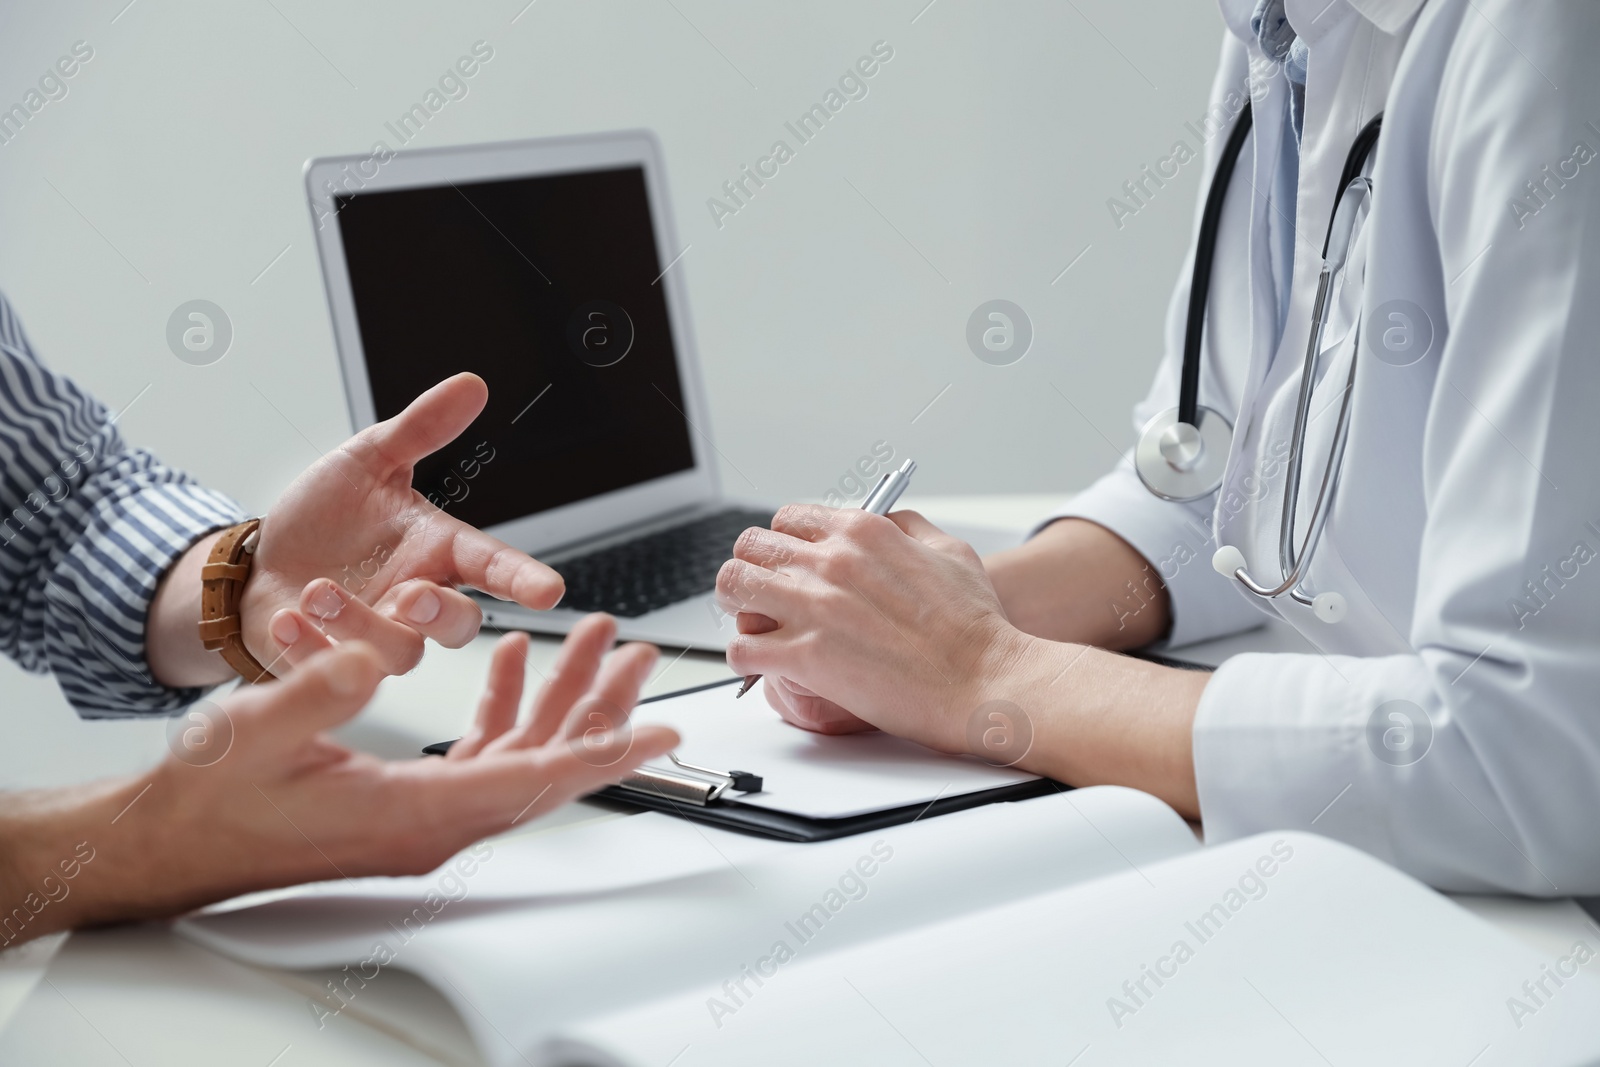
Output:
x=87 y=528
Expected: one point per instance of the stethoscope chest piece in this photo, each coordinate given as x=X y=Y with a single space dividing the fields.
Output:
x=1182 y=462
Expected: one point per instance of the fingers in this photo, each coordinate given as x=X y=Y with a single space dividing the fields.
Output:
x=499 y=790
x=395 y=628
x=493 y=566
x=615 y=690
x=800 y=707
x=745 y=587
x=346 y=618
x=326 y=690
x=448 y=616
x=428 y=423
x=807 y=522
x=574 y=672
x=812 y=522
x=574 y=769
x=502 y=694
x=761 y=653
x=916 y=526
x=767 y=548
x=297 y=638
x=747 y=622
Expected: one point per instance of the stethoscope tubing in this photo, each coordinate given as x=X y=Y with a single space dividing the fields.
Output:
x=1355 y=192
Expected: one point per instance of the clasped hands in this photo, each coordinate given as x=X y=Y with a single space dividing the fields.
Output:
x=891 y=617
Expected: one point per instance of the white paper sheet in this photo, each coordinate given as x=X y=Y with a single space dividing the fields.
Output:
x=624 y=912
x=1334 y=958
x=810 y=774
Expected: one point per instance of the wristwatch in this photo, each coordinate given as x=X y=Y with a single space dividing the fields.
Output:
x=221 y=581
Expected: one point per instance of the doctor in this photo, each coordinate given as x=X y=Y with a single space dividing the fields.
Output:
x=1450 y=721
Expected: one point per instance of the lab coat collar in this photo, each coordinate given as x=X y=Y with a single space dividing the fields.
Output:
x=1389 y=16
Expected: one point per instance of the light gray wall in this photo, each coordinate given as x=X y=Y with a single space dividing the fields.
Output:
x=829 y=311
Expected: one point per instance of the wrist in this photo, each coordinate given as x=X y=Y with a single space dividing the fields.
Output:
x=996 y=684
x=232 y=623
x=259 y=600
x=173 y=649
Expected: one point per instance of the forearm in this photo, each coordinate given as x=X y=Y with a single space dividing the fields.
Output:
x=55 y=867
x=1099 y=718
x=1077 y=581
x=172 y=636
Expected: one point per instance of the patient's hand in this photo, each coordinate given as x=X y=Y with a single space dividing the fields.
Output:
x=277 y=801
x=355 y=511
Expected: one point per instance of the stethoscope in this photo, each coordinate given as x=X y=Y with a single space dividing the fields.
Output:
x=1182 y=453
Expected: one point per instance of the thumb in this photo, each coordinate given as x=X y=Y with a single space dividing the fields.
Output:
x=429 y=422
x=324 y=691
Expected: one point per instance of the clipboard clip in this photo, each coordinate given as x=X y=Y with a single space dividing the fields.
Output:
x=690 y=783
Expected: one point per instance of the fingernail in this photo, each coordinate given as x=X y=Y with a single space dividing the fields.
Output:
x=425 y=608
x=326 y=602
x=285 y=629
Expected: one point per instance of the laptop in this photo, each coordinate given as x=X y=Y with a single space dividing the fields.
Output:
x=549 y=268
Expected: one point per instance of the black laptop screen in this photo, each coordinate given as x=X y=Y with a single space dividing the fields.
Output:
x=548 y=288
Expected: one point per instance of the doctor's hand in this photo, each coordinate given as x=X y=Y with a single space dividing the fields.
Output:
x=257 y=795
x=352 y=551
x=888 y=617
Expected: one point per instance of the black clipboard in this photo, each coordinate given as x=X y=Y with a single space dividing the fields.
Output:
x=785 y=826
x=729 y=813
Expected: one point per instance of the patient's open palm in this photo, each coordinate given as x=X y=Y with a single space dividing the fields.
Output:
x=351 y=550
x=283 y=802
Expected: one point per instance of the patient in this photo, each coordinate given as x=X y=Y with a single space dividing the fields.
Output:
x=102 y=553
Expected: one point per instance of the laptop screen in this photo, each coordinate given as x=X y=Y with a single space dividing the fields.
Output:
x=547 y=288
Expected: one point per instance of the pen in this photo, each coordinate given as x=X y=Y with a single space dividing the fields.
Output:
x=878 y=502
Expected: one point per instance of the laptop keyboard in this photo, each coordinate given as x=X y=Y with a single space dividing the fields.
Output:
x=659 y=569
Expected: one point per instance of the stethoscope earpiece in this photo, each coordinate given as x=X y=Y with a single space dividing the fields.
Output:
x=1329 y=607
x=1228 y=561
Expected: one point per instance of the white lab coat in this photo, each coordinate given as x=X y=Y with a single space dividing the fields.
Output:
x=1466 y=530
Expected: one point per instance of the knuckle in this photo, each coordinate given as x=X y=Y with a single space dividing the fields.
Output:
x=748 y=541
x=730 y=581
x=800 y=520
x=836 y=565
x=408 y=651
x=350 y=622
x=868 y=527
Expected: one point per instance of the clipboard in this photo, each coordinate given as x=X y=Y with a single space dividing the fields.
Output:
x=748 y=807
x=786 y=826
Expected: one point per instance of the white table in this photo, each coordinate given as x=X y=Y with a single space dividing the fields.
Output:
x=138 y=995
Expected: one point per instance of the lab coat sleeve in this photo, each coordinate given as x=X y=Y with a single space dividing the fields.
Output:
x=1176 y=540
x=1472 y=762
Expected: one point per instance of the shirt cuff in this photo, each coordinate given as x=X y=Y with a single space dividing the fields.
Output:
x=100 y=594
x=1177 y=542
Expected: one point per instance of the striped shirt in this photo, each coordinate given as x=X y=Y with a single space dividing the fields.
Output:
x=87 y=528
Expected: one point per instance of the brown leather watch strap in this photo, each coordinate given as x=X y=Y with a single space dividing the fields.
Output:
x=222 y=579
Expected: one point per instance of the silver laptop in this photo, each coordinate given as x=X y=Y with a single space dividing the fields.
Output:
x=549 y=268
